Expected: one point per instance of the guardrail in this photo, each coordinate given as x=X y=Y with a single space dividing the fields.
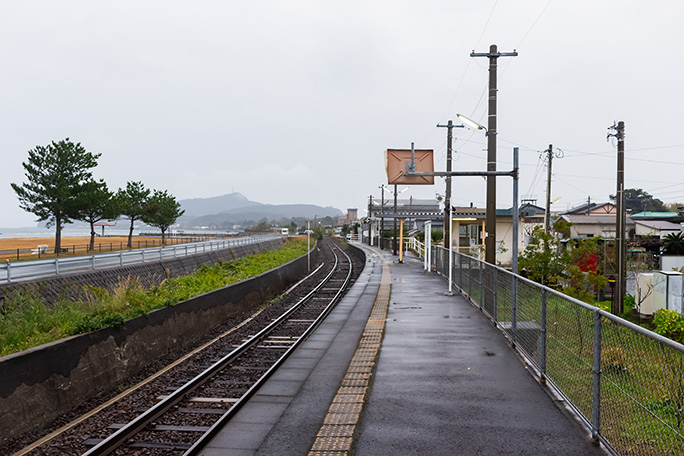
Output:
x=45 y=251
x=624 y=381
x=414 y=245
x=28 y=270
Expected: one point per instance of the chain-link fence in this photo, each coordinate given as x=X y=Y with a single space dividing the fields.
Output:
x=625 y=381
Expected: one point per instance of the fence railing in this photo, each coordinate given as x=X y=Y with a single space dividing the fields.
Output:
x=624 y=381
x=28 y=270
x=414 y=245
x=102 y=245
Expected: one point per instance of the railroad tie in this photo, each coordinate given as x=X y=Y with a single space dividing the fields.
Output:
x=336 y=435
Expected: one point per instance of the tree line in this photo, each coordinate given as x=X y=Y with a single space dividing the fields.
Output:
x=60 y=188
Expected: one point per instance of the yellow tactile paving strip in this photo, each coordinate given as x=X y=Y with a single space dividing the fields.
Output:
x=335 y=438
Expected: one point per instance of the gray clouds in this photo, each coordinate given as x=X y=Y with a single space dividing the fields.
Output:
x=294 y=102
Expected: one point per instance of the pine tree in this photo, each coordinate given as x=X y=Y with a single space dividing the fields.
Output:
x=131 y=202
x=161 y=211
x=56 y=175
x=97 y=203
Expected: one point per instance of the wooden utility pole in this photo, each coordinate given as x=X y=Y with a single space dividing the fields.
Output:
x=490 y=222
x=447 y=196
x=621 y=250
x=547 y=214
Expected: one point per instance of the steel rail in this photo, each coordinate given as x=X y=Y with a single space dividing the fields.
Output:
x=69 y=426
x=118 y=438
x=197 y=447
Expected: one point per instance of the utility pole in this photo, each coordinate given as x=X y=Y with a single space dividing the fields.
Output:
x=370 y=218
x=490 y=222
x=447 y=197
x=547 y=214
x=621 y=250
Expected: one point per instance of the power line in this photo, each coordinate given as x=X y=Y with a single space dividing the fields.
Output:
x=534 y=24
x=460 y=82
x=568 y=183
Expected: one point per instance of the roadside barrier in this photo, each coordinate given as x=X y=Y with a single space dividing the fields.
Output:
x=30 y=270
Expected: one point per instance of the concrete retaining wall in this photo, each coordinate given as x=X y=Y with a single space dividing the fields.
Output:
x=41 y=383
x=149 y=273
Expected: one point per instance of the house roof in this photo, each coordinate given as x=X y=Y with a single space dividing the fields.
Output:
x=586 y=208
x=580 y=219
x=659 y=225
x=526 y=209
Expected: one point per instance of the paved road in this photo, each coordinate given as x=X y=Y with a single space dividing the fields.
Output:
x=36 y=269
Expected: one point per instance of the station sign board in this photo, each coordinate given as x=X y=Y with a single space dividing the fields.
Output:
x=396 y=166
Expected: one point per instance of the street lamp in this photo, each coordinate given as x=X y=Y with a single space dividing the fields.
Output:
x=490 y=223
x=472 y=124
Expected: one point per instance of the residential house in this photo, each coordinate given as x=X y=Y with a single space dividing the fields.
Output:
x=655 y=228
x=594 y=220
x=469 y=222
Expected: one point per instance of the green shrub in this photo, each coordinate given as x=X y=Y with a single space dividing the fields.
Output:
x=95 y=322
x=669 y=323
x=25 y=321
x=436 y=235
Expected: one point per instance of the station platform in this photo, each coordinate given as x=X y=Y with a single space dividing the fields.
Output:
x=401 y=368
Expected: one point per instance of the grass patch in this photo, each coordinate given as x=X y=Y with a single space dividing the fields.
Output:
x=25 y=321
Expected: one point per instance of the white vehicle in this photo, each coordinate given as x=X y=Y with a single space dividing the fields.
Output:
x=285 y=231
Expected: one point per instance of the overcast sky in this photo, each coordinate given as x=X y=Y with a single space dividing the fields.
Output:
x=295 y=101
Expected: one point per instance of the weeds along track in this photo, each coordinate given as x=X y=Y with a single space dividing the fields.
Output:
x=183 y=406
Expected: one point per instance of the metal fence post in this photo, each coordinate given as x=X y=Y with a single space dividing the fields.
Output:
x=596 y=371
x=92 y=261
x=121 y=258
x=494 y=293
x=469 y=276
x=543 y=337
x=161 y=254
x=142 y=254
x=9 y=271
x=514 y=316
x=56 y=266
x=481 y=287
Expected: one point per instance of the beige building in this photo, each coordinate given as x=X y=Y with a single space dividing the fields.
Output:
x=470 y=223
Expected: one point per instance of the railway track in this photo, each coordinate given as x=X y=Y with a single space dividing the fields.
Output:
x=184 y=408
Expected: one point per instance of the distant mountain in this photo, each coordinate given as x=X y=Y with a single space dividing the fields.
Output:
x=234 y=208
x=214 y=205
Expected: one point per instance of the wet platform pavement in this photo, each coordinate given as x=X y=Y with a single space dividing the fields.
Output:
x=446 y=382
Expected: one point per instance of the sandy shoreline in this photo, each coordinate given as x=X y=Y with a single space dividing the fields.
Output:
x=68 y=242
